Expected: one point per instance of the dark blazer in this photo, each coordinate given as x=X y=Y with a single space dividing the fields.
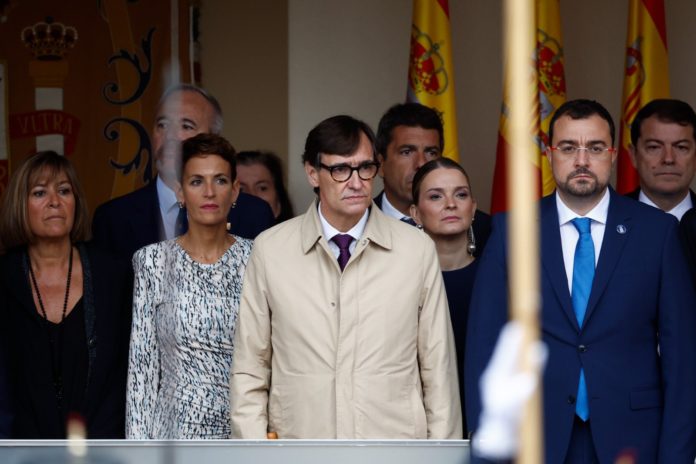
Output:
x=687 y=229
x=126 y=224
x=107 y=300
x=481 y=226
x=641 y=295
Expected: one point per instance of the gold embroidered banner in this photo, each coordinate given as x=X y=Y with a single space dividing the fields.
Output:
x=84 y=79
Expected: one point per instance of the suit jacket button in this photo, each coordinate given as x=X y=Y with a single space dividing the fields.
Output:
x=582 y=348
x=571 y=399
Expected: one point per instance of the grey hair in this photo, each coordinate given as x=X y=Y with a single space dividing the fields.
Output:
x=216 y=127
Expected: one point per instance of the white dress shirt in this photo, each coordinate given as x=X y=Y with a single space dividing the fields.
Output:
x=390 y=210
x=570 y=235
x=678 y=211
x=330 y=231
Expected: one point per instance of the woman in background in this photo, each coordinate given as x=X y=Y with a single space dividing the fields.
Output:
x=444 y=207
x=185 y=307
x=65 y=308
x=261 y=174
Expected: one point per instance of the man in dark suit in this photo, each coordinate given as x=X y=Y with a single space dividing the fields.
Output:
x=409 y=135
x=687 y=230
x=618 y=310
x=149 y=214
x=663 y=151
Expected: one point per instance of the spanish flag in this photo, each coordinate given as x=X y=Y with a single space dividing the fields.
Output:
x=646 y=76
x=548 y=75
x=430 y=71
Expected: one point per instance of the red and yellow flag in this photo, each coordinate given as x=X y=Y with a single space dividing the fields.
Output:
x=430 y=71
x=646 y=76
x=547 y=73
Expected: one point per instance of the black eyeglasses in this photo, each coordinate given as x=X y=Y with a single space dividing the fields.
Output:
x=343 y=172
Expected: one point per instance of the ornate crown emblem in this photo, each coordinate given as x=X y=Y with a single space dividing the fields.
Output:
x=49 y=41
x=427 y=71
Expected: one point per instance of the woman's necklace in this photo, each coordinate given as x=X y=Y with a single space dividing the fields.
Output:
x=55 y=366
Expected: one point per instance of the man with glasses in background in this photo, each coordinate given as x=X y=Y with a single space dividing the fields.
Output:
x=343 y=329
x=618 y=311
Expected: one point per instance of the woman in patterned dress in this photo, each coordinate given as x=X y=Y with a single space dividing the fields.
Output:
x=185 y=306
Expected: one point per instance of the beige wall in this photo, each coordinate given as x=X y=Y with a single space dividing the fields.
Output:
x=244 y=63
x=351 y=57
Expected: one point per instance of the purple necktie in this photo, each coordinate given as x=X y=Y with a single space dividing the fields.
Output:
x=343 y=241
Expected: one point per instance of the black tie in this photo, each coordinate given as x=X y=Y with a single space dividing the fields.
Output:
x=181 y=225
x=408 y=220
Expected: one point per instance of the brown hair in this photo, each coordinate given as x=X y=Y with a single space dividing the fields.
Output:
x=14 y=221
x=208 y=144
x=271 y=162
x=430 y=166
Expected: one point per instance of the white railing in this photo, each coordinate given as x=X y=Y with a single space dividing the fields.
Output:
x=234 y=452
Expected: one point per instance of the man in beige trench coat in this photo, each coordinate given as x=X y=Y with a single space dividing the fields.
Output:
x=343 y=328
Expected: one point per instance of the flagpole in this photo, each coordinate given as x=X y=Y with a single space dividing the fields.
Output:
x=522 y=181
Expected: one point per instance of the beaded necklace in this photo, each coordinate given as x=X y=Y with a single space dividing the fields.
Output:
x=55 y=366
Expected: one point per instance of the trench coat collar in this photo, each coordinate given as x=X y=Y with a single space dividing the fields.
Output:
x=377 y=229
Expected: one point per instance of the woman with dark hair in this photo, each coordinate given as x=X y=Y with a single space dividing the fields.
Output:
x=260 y=174
x=185 y=307
x=66 y=307
x=444 y=207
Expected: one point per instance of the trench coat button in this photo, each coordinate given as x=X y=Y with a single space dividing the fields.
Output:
x=582 y=348
x=92 y=341
x=571 y=399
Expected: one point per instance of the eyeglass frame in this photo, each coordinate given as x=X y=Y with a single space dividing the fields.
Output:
x=357 y=168
x=578 y=148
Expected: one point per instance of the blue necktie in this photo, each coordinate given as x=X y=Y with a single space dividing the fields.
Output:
x=583 y=273
x=343 y=241
x=408 y=220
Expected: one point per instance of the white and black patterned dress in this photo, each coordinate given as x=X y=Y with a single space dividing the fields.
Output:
x=184 y=314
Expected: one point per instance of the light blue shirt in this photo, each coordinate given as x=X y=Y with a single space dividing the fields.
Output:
x=169 y=208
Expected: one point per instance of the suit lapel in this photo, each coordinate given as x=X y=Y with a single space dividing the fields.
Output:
x=17 y=273
x=616 y=233
x=146 y=219
x=552 y=257
x=378 y=199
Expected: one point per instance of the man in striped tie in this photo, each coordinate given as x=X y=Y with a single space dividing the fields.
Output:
x=618 y=310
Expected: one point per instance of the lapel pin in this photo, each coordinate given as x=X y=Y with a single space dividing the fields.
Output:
x=621 y=229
